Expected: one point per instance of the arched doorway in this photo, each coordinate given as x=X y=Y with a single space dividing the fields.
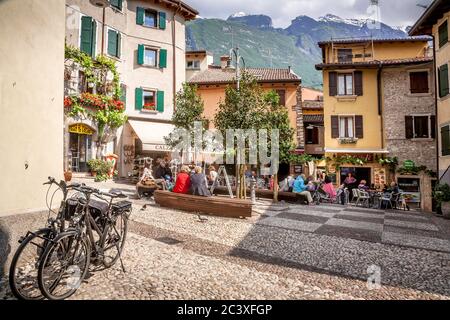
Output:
x=80 y=146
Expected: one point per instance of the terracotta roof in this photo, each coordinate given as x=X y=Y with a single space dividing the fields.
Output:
x=206 y=52
x=375 y=63
x=188 y=12
x=313 y=118
x=434 y=13
x=224 y=76
x=376 y=40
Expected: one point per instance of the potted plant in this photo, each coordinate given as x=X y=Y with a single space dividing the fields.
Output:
x=94 y=165
x=68 y=175
x=442 y=196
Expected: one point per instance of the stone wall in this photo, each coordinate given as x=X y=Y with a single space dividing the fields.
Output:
x=300 y=126
x=398 y=103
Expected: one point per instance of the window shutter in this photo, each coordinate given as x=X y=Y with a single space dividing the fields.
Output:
x=315 y=135
x=409 y=131
x=116 y=4
x=334 y=127
x=140 y=16
x=160 y=101
x=445 y=137
x=443 y=34
x=119 y=42
x=333 y=84
x=139 y=99
x=443 y=81
x=163 y=58
x=141 y=51
x=358 y=83
x=112 y=43
x=123 y=93
x=359 y=129
x=162 y=20
x=86 y=35
x=433 y=126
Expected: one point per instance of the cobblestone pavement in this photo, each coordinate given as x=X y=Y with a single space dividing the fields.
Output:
x=282 y=252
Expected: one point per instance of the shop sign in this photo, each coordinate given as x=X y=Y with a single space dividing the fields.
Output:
x=298 y=169
x=157 y=147
x=409 y=164
x=81 y=128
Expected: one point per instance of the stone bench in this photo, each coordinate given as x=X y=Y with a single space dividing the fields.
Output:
x=217 y=206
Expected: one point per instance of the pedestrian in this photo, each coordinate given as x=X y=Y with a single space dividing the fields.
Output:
x=199 y=185
x=212 y=176
x=183 y=182
x=300 y=188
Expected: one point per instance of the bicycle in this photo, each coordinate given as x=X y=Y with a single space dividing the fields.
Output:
x=24 y=265
x=65 y=263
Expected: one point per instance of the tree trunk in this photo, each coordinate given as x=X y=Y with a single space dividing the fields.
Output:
x=240 y=179
x=275 y=188
x=98 y=154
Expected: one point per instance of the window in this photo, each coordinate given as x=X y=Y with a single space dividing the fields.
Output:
x=346 y=128
x=345 y=84
x=194 y=64
x=282 y=95
x=312 y=135
x=419 y=82
x=114 y=43
x=345 y=55
x=149 y=100
x=445 y=139
x=443 y=81
x=443 y=34
x=150 y=57
x=150 y=18
x=88 y=35
x=117 y=4
x=83 y=85
x=420 y=127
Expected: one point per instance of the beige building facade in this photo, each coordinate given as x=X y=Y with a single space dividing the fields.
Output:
x=31 y=95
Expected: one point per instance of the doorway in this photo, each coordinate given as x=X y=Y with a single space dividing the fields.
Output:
x=358 y=173
x=80 y=146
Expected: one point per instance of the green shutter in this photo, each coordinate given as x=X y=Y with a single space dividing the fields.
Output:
x=163 y=58
x=116 y=4
x=443 y=81
x=138 y=98
x=119 y=44
x=141 y=51
x=86 y=35
x=445 y=139
x=443 y=34
x=160 y=101
x=162 y=20
x=112 y=42
x=123 y=94
x=140 y=16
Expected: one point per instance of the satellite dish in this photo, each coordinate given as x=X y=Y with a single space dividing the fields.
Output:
x=100 y=3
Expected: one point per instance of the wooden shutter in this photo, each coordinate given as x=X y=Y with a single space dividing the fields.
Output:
x=445 y=138
x=409 y=130
x=315 y=135
x=160 y=101
x=141 y=51
x=443 y=81
x=334 y=127
x=359 y=128
x=358 y=83
x=282 y=96
x=163 y=58
x=140 y=12
x=162 y=20
x=419 y=82
x=443 y=34
x=139 y=102
x=86 y=35
x=433 y=126
x=333 y=84
x=112 y=43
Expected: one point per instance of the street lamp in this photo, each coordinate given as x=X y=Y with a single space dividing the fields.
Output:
x=238 y=57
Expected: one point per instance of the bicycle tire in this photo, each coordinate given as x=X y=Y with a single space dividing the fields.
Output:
x=46 y=290
x=105 y=239
x=13 y=279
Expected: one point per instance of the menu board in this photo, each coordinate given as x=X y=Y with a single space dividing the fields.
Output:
x=380 y=177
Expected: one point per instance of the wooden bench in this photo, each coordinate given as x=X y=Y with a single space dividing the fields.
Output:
x=217 y=206
x=266 y=194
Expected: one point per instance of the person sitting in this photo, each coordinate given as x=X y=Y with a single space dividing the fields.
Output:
x=328 y=187
x=363 y=186
x=199 y=185
x=300 y=188
x=183 y=182
x=212 y=175
x=311 y=186
x=394 y=188
x=285 y=185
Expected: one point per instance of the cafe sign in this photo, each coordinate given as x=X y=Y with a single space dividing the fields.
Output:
x=81 y=128
x=409 y=164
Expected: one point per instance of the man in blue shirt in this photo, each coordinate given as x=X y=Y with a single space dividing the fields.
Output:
x=301 y=189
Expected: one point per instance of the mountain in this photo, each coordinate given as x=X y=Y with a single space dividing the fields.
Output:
x=262 y=45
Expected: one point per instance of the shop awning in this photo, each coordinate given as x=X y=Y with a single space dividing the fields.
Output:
x=356 y=151
x=152 y=134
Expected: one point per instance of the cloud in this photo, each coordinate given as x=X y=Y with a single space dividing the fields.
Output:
x=393 y=12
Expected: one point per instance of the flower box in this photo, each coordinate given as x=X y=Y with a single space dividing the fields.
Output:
x=348 y=140
x=149 y=107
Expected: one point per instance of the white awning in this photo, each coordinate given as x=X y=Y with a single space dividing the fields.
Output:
x=152 y=134
x=356 y=151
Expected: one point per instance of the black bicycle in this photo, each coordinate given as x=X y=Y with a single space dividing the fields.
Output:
x=97 y=235
x=25 y=262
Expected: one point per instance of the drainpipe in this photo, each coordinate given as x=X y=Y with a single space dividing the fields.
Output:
x=103 y=31
x=380 y=103
x=436 y=124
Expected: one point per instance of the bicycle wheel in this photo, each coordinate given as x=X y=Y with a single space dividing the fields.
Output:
x=113 y=240
x=64 y=266
x=25 y=264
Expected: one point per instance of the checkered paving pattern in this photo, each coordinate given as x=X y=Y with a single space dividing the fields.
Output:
x=410 y=229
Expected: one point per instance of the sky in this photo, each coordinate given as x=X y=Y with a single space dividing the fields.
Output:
x=392 y=12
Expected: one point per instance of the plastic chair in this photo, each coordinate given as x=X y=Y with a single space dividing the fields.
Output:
x=386 y=198
x=355 y=200
x=363 y=198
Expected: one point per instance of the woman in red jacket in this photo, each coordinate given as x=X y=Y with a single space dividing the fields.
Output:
x=183 y=182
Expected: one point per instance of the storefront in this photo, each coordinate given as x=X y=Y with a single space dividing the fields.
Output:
x=80 y=146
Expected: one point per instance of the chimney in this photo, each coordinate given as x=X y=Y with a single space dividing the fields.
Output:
x=289 y=68
x=225 y=62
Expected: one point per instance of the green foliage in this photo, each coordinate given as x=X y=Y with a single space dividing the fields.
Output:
x=301 y=158
x=442 y=193
x=415 y=171
x=347 y=159
x=94 y=164
x=392 y=163
x=101 y=168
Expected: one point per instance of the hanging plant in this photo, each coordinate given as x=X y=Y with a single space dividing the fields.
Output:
x=391 y=163
x=347 y=159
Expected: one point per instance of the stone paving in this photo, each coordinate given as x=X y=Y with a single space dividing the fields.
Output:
x=282 y=252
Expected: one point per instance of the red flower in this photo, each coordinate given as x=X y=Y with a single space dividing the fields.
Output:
x=68 y=102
